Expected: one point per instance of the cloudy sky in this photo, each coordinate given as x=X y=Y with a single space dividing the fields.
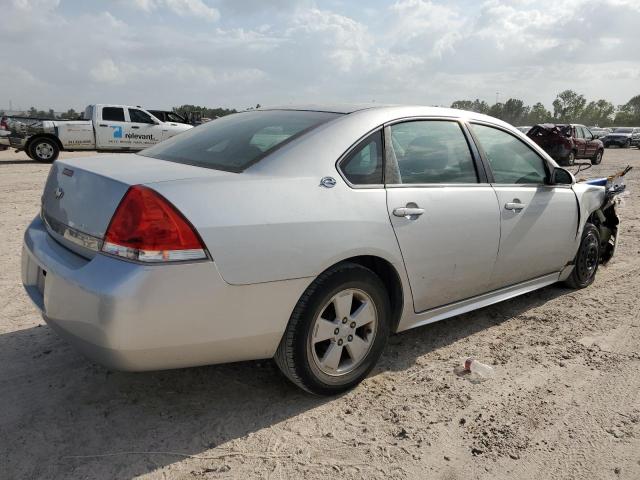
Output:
x=236 y=53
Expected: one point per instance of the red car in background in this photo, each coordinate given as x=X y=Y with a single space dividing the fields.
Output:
x=566 y=143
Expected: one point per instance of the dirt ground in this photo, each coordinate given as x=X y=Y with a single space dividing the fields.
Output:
x=564 y=403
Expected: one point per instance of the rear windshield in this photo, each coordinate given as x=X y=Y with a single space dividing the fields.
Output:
x=235 y=142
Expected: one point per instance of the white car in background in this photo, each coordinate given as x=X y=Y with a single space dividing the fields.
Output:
x=109 y=128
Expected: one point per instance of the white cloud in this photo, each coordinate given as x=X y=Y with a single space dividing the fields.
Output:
x=409 y=51
x=106 y=71
x=194 y=8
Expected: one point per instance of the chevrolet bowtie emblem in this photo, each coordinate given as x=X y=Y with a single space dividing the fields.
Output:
x=59 y=193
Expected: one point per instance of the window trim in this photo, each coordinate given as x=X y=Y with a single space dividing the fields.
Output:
x=140 y=110
x=351 y=149
x=124 y=114
x=548 y=167
x=482 y=179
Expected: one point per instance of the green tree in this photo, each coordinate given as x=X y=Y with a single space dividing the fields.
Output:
x=629 y=114
x=477 y=105
x=538 y=114
x=70 y=114
x=568 y=106
x=598 y=113
x=496 y=110
x=515 y=111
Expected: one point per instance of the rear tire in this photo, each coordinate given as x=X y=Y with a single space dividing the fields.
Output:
x=44 y=150
x=337 y=331
x=627 y=144
x=587 y=259
x=597 y=158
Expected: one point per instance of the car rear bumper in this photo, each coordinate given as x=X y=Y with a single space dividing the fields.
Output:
x=135 y=317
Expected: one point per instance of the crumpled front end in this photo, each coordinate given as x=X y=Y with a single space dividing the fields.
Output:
x=599 y=199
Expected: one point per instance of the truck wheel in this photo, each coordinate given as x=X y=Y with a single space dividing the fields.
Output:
x=587 y=259
x=337 y=331
x=627 y=144
x=44 y=150
x=597 y=158
x=571 y=159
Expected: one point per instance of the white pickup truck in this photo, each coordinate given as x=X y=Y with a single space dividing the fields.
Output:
x=109 y=128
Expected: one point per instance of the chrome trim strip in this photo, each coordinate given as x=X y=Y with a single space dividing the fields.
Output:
x=71 y=234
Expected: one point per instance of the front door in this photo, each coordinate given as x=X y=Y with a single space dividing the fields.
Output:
x=538 y=222
x=446 y=222
x=141 y=131
x=591 y=143
x=580 y=142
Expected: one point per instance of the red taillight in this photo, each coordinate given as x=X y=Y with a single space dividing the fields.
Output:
x=147 y=228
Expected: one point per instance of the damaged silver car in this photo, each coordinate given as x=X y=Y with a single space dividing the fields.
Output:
x=308 y=235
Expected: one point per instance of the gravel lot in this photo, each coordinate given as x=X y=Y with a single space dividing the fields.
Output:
x=564 y=403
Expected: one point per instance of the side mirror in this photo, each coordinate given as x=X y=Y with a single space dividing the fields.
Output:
x=560 y=176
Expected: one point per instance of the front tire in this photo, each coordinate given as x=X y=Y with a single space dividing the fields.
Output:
x=337 y=331
x=571 y=159
x=587 y=259
x=44 y=150
x=627 y=144
x=597 y=158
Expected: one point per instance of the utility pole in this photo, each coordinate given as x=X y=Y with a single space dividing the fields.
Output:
x=497 y=97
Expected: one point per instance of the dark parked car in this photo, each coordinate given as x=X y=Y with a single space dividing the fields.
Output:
x=623 y=137
x=567 y=142
x=169 y=116
x=599 y=132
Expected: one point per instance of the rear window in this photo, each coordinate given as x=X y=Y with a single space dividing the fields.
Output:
x=235 y=142
x=623 y=130
x=113 y=114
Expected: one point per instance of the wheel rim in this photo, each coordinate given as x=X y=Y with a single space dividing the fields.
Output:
x=588 y=258
x=44 y=151
x=571 y=158
x=343 y=332
x=598 y=157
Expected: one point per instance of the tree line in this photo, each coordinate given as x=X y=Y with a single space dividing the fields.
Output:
x=568 y=107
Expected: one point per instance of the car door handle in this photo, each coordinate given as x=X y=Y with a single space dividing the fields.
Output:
x=103 y=125
x=134 y=126
x=408 y=211
x=514 y=206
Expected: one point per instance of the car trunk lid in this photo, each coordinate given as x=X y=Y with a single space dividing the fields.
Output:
x=82 y=194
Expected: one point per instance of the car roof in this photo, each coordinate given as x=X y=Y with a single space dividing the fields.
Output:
x=344 y=108
x=391 y=111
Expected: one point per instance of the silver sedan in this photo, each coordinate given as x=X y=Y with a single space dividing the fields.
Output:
x=304 y=234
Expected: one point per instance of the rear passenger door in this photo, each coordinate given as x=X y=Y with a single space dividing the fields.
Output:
x=444 y=213
x=538 y=221
x=110 y=130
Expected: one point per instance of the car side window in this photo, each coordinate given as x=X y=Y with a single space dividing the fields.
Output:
x=138 y=116
x=579 y=132
x=510 y=159
x=113 y=114
x=432 y=151
x=363 y=165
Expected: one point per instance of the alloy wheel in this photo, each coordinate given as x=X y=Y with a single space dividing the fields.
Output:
x=343 y=332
